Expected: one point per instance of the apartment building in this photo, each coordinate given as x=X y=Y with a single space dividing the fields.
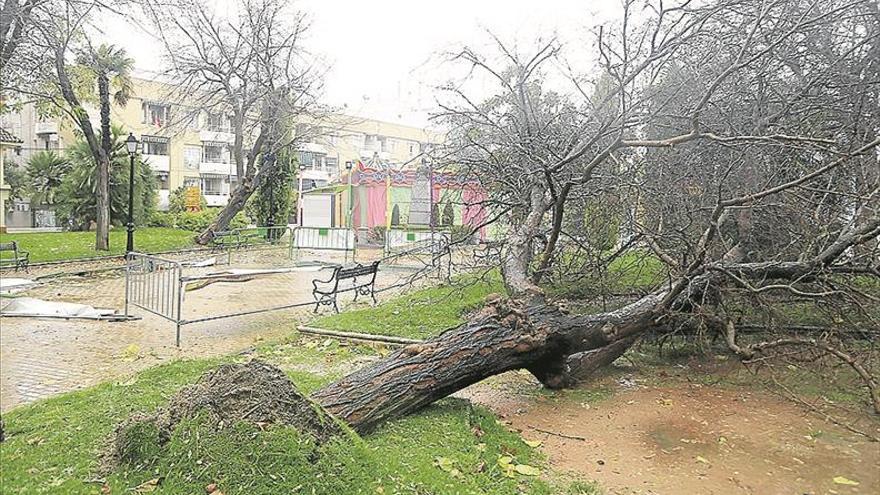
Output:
x=344 y=138
x=196 y=151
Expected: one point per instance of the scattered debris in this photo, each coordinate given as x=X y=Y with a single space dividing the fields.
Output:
x=38 y=308
x=563 y=435
x=13 y=285
x=202 y=263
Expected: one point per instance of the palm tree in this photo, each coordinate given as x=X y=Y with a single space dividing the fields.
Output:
x=112 y=69
x=45 y=170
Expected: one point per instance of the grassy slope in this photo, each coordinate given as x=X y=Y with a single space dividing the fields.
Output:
x=420 y=314
x=450 y=448
x=54 y=246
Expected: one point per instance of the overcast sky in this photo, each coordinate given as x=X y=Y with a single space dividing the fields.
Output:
x=385 y=56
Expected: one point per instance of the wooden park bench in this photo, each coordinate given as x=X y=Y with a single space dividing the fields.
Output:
x=325 y=291
x=19 y=258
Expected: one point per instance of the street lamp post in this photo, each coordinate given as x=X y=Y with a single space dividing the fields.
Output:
x=131 y=145
x=348 y=166
x=299 y=206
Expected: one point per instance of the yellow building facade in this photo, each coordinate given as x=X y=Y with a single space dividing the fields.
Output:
x=189 y=148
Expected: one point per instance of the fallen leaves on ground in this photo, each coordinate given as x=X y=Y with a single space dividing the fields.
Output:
x=147 y=486
x=840 y=480
x=508 y=467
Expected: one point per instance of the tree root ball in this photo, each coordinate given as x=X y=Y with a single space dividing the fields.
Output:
x=253 y=392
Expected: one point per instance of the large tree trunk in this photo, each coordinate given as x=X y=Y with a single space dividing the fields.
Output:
x=102 y=171
x=236 y=203
x=530 y=333
x=246 y=187
x=79 y=114
x=502 y=337
x=238 y=200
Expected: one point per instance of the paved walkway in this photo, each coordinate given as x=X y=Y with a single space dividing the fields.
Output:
x=40 y=358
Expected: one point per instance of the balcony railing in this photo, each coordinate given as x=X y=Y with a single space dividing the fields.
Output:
x=159 y=163
x=215 y=168
x=216 y=199
x=46 y=128
x=221 y=136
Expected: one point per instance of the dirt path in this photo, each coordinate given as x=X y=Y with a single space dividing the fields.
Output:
x=687 y=439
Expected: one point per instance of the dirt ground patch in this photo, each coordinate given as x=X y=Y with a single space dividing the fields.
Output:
x=687 y=438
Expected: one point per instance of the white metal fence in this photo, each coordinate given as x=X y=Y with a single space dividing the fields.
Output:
x=322 y=238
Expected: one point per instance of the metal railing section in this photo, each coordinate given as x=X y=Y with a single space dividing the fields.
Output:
x=154 y=284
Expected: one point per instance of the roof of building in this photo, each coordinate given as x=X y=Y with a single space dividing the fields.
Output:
x=7 y=137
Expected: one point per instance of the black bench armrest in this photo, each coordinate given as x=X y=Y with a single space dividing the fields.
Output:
x=317 y=281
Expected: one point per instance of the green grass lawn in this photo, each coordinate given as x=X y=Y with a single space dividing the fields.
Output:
x=451 y=447
x=421 y=314
x=56 y=246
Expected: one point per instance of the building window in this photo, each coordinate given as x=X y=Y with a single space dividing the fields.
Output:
x=162 y=181
x=331 y=162
x=355 y=140
x=371 y=142
x=155 y=145
x=190 y=182
x=311 y=160
x=192 y=155
x=155 y=114
x=218 y=123
x=212 y=186
x=215 y=153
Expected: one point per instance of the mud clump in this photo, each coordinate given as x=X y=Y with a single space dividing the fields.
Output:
x=253 y=392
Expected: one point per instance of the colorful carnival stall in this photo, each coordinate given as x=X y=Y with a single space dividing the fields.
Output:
x=387 y=197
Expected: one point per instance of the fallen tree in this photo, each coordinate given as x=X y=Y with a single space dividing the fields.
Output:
x=783 y=201
x=538 y=154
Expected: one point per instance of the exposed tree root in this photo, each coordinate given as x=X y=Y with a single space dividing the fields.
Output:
x=253 y=392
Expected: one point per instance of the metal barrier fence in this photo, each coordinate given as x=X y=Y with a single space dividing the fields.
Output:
x=250 y=237
x=400 y=242
x=322 y=238
x=155 y=285
x=158 y=286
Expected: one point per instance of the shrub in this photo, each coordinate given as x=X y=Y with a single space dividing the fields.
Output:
x=177 y=200
x=194 y=221
x=75 y=195
x=162 y=219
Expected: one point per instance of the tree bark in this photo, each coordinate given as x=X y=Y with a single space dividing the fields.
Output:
x=246 y=187
x=238 y=200
x=502 y=337
x=102 y=171
x=81 y=117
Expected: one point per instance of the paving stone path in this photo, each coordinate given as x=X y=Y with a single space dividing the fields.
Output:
x=44 y=357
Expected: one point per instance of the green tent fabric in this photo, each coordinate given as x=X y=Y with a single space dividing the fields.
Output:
x=402 y=197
